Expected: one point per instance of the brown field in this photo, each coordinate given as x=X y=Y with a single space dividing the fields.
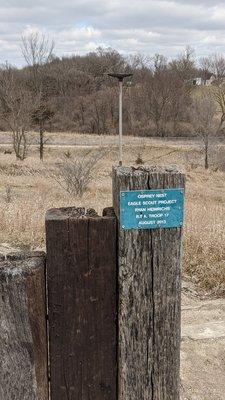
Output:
x=27 y=190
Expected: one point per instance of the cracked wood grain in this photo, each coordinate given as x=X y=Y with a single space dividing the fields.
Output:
x=149 y=296
x=81 y=274
x=23 y=343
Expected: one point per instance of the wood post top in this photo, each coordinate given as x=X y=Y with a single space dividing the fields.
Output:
x=76 y=213
x=21 y=263
x=143 y=169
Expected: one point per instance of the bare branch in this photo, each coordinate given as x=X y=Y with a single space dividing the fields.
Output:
x=37 y=49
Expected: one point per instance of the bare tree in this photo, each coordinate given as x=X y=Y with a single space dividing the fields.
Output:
x=16 y=109
x=159 y=62
x=205 y=68
x=76 y=94
x=37 y=50
x=219 y=95
x=184 y=65
x=157 y=92
x=42 y=113
x=214 y=64
x=139 y=61
x=165 y=98
x=202 y=113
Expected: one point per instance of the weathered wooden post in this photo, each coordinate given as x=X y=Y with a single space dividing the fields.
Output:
x=23 y=339
x=150 y=234
x=81 y=271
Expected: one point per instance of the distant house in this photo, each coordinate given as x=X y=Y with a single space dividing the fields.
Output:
x=197 y=82
x=201 y=82
x=210 y=81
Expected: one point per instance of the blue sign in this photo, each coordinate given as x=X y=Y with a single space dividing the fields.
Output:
x=151 y=209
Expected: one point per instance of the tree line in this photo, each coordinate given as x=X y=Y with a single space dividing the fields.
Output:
x=76 y=94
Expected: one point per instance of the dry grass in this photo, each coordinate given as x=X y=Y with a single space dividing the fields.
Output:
x=204 y=245
x=33 y=191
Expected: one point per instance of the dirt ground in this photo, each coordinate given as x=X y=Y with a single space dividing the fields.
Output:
x=203 y=347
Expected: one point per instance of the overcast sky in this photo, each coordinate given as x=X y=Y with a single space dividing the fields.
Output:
x=129 y=26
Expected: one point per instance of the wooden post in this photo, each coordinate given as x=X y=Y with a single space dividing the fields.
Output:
x=81 y=270
x=23 y=340
x=149 y=296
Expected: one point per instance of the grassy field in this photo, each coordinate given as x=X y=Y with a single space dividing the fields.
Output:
x=28 y=189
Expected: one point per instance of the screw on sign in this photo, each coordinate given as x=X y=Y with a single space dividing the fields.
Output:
x=151 y=209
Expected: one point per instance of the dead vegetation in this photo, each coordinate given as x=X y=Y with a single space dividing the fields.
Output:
x=28 y=189
x=74 y=175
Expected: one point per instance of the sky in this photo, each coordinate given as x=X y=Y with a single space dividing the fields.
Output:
x=128 y=26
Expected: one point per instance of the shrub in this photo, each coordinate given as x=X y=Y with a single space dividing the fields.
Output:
x=74 y=176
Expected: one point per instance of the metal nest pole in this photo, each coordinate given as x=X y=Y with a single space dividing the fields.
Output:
x=120 y=77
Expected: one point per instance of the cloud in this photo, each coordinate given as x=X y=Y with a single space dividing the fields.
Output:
x=148 y=26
